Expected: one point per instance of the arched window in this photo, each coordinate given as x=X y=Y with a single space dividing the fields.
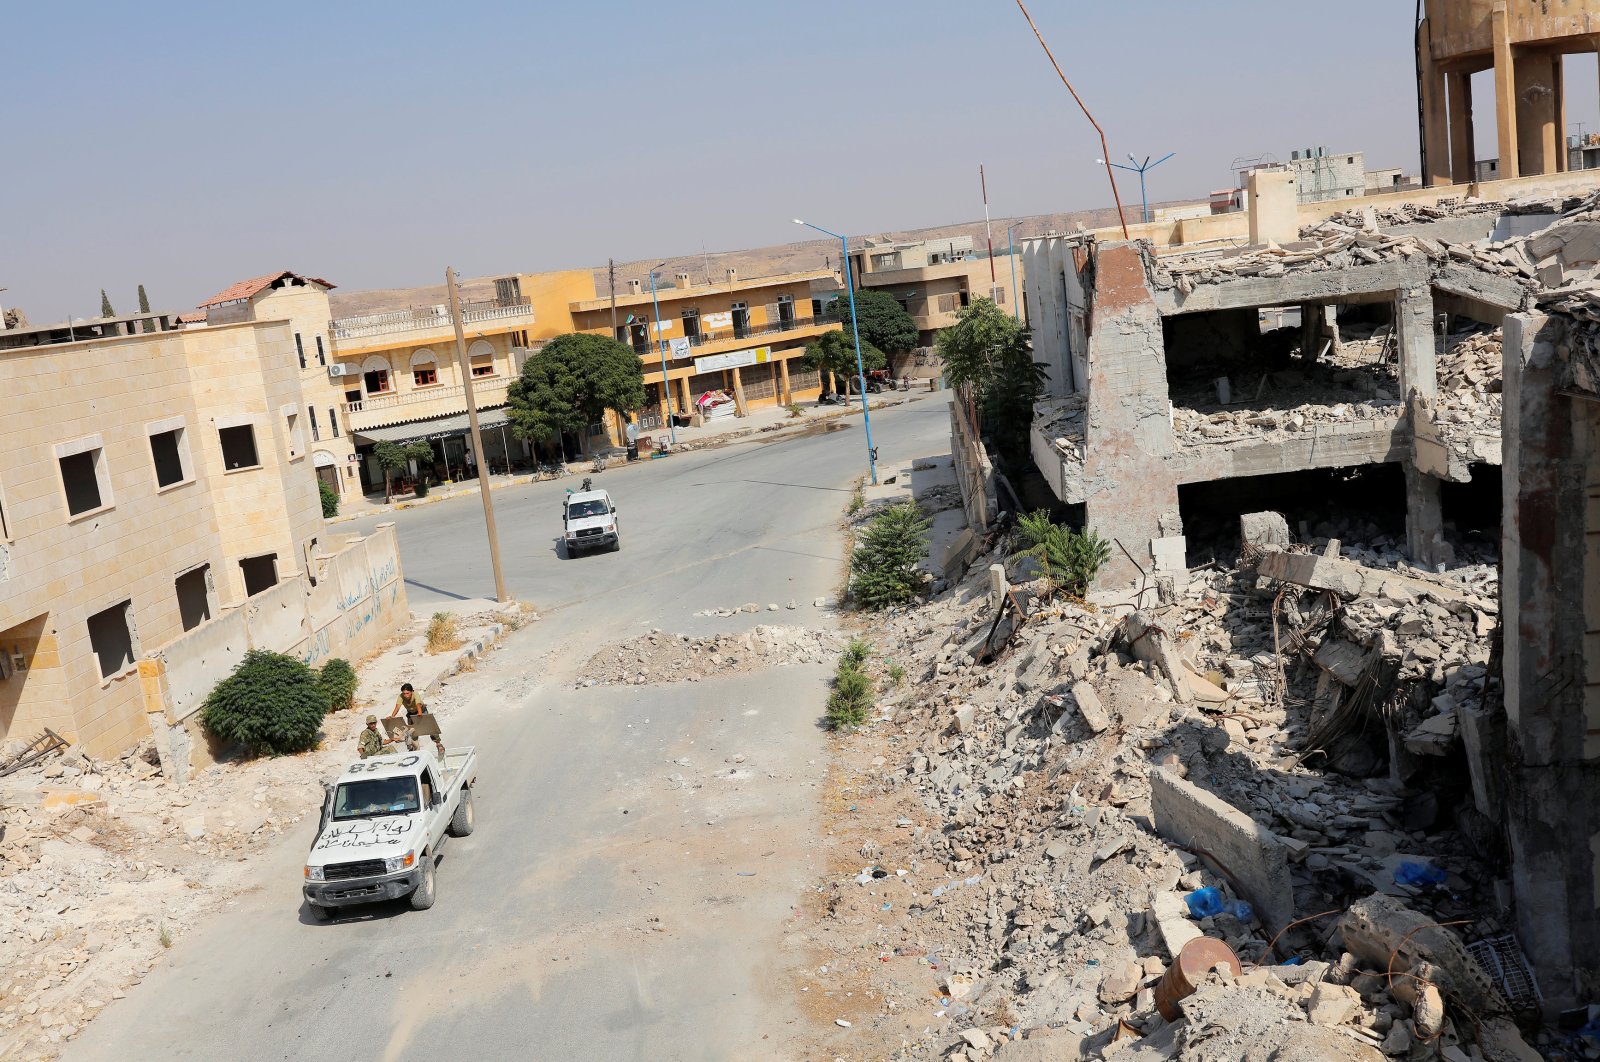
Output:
x=375 y=375
x=481 y=356
x=424 y=369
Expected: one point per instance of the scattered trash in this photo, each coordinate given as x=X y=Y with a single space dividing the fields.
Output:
x=841 y=1023
x=1413 y=873
x=1209 y=902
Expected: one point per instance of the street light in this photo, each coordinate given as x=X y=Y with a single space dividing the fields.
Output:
x=855 y=328
x=1016 y=307
x=666 y=385
x=1139 y=168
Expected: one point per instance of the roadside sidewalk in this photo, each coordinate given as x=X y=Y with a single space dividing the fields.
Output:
x=774 y=423
x=105 y=863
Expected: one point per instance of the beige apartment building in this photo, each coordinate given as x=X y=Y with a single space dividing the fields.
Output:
x=933 y=280
x=149 y=481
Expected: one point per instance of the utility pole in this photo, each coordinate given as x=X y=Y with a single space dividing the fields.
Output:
x=500 y=593
x=611 y=275
x=987 y=231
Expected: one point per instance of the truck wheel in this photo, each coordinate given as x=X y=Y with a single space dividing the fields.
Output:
x=616 y=544
x=461 y=821
x=319 y=913
x=422 y=898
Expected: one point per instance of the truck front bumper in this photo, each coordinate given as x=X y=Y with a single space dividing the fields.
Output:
x=605 y=538
x=361 y=890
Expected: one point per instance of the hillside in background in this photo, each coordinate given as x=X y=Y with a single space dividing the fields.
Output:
x=755 y=262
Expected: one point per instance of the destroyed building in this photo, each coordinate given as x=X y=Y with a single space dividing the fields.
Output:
x=1446 y=346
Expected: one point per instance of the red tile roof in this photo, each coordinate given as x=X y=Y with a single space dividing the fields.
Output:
x=192 y=317
x=248 y=288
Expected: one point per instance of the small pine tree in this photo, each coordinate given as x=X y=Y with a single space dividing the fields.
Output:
x=144 y=300
x=885 y=567
x=105 y=305
x=330 y=500
x=338 y=681
x=272 y=704
x=851 y=698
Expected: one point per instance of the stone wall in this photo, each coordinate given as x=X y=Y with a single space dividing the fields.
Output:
x=974 y=473
x=351 y=605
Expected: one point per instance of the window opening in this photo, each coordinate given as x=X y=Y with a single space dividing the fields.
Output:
x=111 y=638
x=80 y=476
x=193 y=588
x=238 y=446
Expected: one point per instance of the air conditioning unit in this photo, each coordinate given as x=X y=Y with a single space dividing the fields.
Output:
x=336 y=368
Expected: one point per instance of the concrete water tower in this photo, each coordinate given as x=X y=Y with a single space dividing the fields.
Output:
x=1523 y=42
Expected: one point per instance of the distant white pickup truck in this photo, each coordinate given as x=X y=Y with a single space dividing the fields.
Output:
x=383 y=824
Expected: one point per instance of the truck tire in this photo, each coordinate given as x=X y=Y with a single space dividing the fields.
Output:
x=422 y=897
x=319 y=913
x=461 y=822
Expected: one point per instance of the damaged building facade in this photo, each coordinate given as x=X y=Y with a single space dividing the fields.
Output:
x=1341 y=344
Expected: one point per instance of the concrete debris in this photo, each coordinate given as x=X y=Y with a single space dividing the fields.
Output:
x=1065 y=797
x=662 y=657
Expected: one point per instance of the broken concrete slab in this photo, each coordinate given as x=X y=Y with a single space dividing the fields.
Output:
x=1089 y=706
x=1171 y=916
x=1185 y=813
x=1387 y=935
x=1264 y=530
x=1344 y=577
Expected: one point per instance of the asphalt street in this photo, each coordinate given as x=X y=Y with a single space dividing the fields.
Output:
x=638 y=850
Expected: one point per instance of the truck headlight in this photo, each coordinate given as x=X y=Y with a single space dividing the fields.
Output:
x=399 y=863
x=314 y=874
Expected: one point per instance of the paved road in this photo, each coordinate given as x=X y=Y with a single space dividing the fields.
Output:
x=603 y=909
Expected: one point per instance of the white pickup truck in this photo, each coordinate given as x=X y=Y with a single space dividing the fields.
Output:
x=383 y=824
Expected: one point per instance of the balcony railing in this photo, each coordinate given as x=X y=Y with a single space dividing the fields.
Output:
x=427 y=317
x=725 y=335
x=486 y=391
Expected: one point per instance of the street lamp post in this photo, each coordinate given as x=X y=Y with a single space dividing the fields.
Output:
x=1140 y=168
x=661 y=345
x=1011 y=252
x=855 y=328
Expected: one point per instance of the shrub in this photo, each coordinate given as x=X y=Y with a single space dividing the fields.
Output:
x=270 y=704
x=330 y=500
x=442 y=634
x=897 y=674
x=1071 y=559
x=857 y=651
x=851 y=698
x=338 y=681
x=884 y=566
x=858 y=497
x=795 y=410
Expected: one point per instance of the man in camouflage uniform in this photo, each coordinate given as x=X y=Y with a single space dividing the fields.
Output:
x=371 y=743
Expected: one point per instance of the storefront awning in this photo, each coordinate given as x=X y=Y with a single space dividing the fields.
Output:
x=438 y=428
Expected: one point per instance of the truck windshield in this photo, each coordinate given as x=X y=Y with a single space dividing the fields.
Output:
x=578 y=510
x=373 y=797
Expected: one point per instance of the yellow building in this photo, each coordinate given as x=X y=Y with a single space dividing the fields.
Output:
x=149 y=480
x=741 y=337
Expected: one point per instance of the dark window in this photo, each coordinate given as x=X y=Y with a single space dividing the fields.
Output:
x=238 y=447
x=377 y=381
x=966 y=298
x=300 y=349
x=79 y=474
x=816 y=307
x=352 y=396
x=425 y=377
x=166 y=450
x=486 y=369
x=316 y=432
x=691 y=326
x=194 y=596
x=333 y=423
x=322 y=355
x=111 y=639
x=260 y=573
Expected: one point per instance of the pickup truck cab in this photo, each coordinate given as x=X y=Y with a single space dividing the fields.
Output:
x=589 y=521
x=384 y=822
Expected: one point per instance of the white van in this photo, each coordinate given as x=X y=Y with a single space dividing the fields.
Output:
x=589 y=522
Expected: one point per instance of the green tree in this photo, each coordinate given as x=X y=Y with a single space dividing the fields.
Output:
x=338 y=681
x=330 y=500
x=571 y=383
x=885 y=568
x=144 y=307
x=835 y=352
x=989 y=351
x=270 y=704
x=884 y=322
x=1071 y=559
x=105 y=305
x=394 y=457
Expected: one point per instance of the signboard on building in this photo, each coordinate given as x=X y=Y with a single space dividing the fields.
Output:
x=715 y=321
x=681 y=348
x=734 y=360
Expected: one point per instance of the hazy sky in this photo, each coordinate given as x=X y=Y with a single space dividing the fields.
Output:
x=188 y=145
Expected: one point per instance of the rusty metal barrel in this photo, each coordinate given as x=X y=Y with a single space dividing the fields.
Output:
x=1199 y=957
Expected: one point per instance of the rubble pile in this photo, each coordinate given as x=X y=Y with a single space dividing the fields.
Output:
x=1065 y=422
x=661 y=657
x=1284 y=402
x=1327 y=246
x=1415 y=213
x=1470 y=376
x=1070 y=797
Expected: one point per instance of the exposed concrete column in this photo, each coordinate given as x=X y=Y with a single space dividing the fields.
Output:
x=1463 y=152
x=1558 y=80
x=1505 y=93
x=739 y=406
x=1536 y=115
x=785 y=395
x=1424 y=519
x=1550 y=593
x=686 y=406
x=1435 y=122
x=1413 y=327
x=1310 y=332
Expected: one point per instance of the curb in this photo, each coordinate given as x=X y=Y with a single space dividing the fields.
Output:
x=471 y=651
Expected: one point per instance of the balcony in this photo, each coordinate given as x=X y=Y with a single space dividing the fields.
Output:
x=377 y=410
x=724 y=339
x=428 y=318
